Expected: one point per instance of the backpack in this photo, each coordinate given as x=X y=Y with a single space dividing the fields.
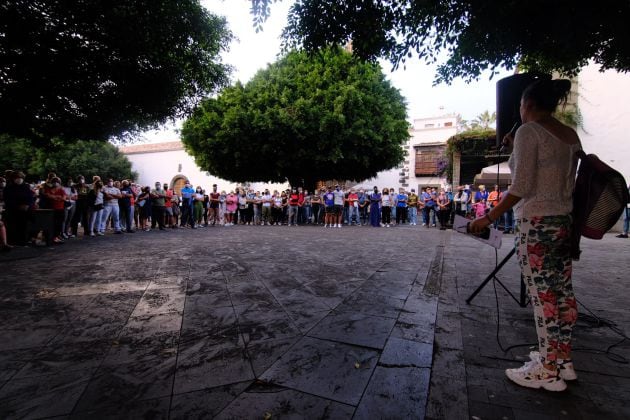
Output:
x=599 y=198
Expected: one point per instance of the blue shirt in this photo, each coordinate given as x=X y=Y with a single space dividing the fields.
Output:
x=481 y=196
x=401 y=200
x=428 y=199
x=187 y=195
x=329 y=199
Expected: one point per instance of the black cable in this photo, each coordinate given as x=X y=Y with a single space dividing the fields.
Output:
x=597 y=322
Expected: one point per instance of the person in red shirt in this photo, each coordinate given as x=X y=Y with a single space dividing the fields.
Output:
x=493 y=197
x=294 y=201
x=169 y=218
x=353 y=208
x=213 y=209
x=493 y=200
x=57 y=198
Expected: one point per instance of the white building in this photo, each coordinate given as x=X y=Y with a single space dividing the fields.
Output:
x=424 y=152
x=169 y=163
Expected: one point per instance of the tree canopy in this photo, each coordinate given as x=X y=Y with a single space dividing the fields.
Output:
x=540 y=35
x=96 y=69
x=85 y=158
x=304 y=118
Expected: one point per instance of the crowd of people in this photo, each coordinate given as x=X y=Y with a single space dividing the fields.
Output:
x=99 y=206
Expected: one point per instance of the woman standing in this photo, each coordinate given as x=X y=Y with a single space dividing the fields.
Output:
x=543 y=166
x=144 y=204
x=222 y=208
x=57 y=197
x=386 y=208
x=231 y=203
x=316 y=205
x=95 y=203
x=375 y=208
x=443 y=204
x=242 y=208
x=198 y=206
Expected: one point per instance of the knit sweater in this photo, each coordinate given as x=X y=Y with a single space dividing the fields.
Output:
x=543 y=172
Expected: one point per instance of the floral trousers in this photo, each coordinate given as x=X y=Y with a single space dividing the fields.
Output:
x=543 y=248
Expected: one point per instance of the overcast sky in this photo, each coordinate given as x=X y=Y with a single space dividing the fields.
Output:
x=253 y=51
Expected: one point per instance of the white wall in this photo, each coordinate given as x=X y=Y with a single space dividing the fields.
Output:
x=439 y=132
x=604 y=101
x=164 y=166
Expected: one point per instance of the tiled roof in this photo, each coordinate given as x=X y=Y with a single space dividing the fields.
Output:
x=151 y=147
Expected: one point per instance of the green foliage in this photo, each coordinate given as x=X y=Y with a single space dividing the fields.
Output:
x=474 y=143
x=570 y=117
x=472 y=35
x=81 y=157
x=484 y=120
x=96 y=69
x=304 y=118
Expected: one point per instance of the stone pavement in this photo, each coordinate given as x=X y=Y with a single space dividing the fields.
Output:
x=279 y=322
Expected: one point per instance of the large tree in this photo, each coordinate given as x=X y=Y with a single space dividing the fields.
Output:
x=304 y=118
x=85 y=158
x=93 y=69
x=467 y=37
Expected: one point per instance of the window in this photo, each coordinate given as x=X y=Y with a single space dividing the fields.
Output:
x=427 y=160
x=448 y=124
x=429 y=125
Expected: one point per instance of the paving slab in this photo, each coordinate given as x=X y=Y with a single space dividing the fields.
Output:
x=305 y=322
x=206 y=403
x=332 y=370
x=279 y=403
x=395 y=393
x=354 y=328
x=43 y=396
x=204 y=364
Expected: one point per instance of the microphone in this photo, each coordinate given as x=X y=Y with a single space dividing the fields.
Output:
x=512 y=132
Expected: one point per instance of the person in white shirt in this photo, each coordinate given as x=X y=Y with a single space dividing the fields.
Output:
x=339 y=198
x=386 y=208
x=543 y=166
x=267 y=200
x=111 y=195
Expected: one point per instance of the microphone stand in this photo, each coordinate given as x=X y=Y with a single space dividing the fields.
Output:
x=522 y=301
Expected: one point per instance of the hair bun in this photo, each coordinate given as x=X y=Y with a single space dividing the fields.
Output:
x=561 y=87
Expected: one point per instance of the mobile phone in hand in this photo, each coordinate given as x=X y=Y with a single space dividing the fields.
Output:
x=484 y=234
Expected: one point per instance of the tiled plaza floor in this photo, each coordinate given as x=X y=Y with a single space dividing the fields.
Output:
x=290 y=322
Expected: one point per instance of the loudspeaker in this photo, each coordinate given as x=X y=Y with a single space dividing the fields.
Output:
x=509 y=91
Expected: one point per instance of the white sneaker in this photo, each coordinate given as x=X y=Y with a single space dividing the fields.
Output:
x=534 y=375
x=338 y=226
x=565 y=367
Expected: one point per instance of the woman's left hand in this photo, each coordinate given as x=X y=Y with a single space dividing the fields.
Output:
x=478 y=225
